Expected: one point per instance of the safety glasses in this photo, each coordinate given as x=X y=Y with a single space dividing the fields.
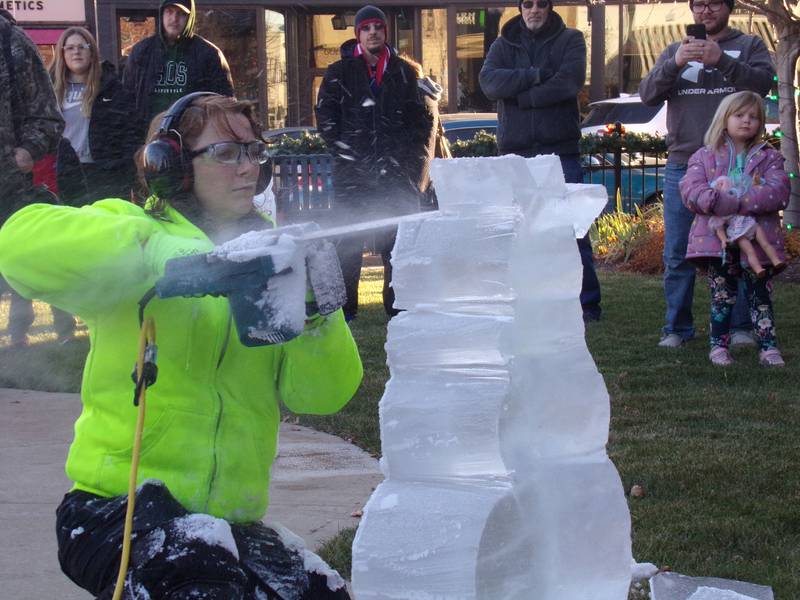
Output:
x=529 y=4
x=77 y=48
x=232 y=153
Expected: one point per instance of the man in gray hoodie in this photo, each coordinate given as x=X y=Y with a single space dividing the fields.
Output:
x=693 y=76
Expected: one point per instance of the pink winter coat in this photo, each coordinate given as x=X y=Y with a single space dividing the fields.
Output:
x=768 y=194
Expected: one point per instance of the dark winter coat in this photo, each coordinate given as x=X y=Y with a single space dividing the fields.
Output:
x=207 y=69
x=29 y=114
x=536 y=78
x=382 y=145
x=113 y=140
x=768 y=195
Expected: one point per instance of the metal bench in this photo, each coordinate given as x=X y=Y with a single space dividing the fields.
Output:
x=303 y=187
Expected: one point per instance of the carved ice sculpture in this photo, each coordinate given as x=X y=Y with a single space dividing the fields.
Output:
x=495 y=420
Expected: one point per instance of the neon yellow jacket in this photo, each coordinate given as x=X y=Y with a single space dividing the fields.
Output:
x=212 y=417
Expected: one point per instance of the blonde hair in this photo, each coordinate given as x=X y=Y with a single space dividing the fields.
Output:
x=59 y=72
x=715 y=136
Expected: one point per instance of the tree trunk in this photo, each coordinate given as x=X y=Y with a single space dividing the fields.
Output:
x=786 y=55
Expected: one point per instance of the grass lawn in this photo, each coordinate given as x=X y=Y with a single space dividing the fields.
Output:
x=715 y=450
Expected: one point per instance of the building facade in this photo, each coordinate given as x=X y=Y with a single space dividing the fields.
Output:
x=278 y=51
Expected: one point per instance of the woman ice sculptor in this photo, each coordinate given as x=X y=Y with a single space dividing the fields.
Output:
x=212 y=416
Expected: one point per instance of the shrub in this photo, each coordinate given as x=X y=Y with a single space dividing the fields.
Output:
x=645 y=143
x=633 y=242
x=481 y=144
x=306 y=144
x=792 y=246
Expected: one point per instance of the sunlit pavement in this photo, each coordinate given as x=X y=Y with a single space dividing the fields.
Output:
x=318 y=481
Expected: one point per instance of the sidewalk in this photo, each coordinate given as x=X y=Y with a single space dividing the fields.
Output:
x=318 y=481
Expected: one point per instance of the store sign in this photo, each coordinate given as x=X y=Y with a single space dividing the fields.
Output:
x=46 y=11
x=476 y=18
x=466 y=18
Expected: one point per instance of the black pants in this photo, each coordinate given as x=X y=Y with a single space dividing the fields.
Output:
x=723 y=281
x=351 y=251
x=21 y=316
x=176 y=555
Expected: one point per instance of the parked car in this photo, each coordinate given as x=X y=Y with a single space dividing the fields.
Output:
x=629 y=111
x=641 y=184
x=639 y=118
x=464 y=126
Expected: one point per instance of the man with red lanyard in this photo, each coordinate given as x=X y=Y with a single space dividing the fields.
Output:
x=378 y=115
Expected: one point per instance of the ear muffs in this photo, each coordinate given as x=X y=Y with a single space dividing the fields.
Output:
x=167 y=166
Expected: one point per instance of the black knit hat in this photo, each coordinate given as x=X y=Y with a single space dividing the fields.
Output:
x=728 y=2
x=369 y=13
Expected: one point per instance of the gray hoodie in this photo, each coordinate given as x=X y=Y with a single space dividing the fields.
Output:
x=694 y=93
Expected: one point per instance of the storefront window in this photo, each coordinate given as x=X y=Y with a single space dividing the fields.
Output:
x=47 y=52
x=330 y=31
x=276 y=81
x=133 y=29
x=476 y=29
x=404 y=25
x=434 y=48
x=234 y=32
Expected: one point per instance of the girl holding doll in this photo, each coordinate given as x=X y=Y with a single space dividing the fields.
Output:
x=736 y=183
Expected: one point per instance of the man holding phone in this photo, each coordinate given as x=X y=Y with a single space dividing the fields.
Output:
x=693 y=76
x=534 y=71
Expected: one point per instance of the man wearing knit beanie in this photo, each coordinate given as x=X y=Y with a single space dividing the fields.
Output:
x=693 y=76
x=378 y=115
x=369 y=14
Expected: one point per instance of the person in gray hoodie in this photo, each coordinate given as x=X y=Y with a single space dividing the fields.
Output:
x=693 y=76
x=534 y=71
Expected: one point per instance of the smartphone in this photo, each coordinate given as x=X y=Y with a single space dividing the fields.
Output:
x=696 y=30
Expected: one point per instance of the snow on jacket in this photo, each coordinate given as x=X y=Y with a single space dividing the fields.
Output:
x=207 y=69
x=382 y=144
x=113 y=140
x=212 y=417
x=768 y=195
x=693 y=93
x=36 y=124
x=536 y=78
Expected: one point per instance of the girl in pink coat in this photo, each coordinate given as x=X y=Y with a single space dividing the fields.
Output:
x=737 y=174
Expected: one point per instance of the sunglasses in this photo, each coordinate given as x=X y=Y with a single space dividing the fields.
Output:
x=529 y=4
x=232 y=153
x=375 y=26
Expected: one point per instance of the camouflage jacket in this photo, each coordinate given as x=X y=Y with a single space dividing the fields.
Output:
x=36 y=125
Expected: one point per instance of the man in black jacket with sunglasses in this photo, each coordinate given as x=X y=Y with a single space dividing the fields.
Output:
x=534 y=71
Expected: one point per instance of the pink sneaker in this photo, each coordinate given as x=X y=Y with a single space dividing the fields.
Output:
x=771 y=358
x=720 y=357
